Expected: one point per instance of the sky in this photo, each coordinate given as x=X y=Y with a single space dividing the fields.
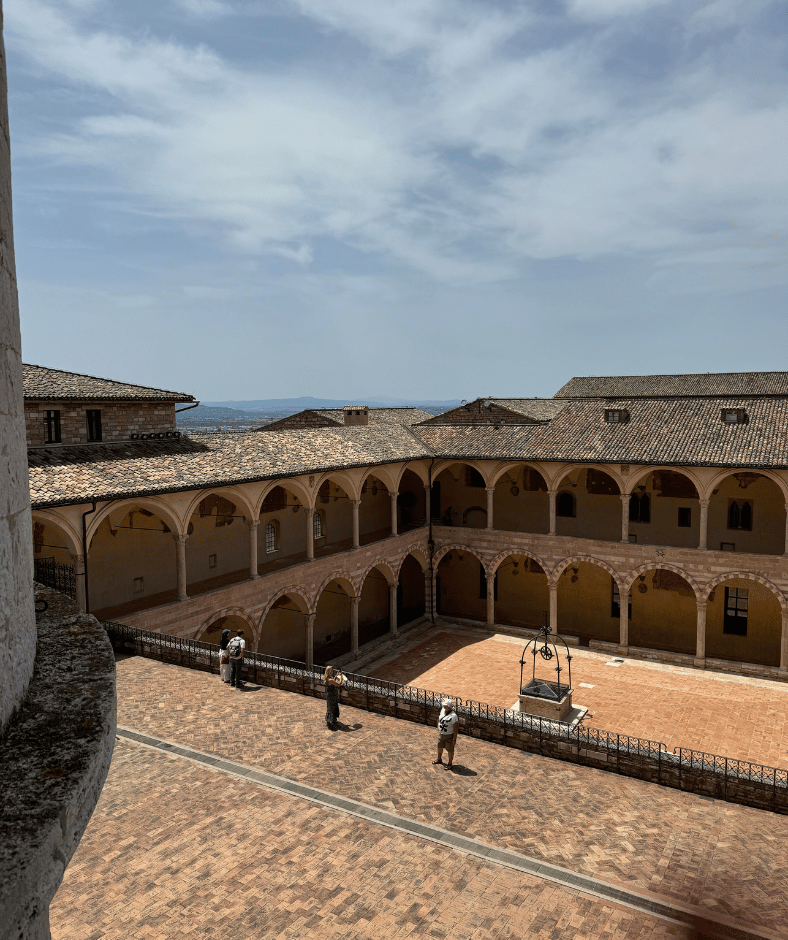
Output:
x=420 y=199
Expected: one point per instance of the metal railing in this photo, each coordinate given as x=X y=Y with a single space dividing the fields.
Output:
x=686 y=769
x=60 y=577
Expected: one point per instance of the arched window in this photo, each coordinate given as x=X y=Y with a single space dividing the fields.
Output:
x=565 y=505
x=740 y=516
x=270 y=537
x=639 y=508
x=317 y=526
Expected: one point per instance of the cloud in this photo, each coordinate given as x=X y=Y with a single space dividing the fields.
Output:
x=461 y=139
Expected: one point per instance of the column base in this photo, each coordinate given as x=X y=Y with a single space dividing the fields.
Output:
x=184 y=598
x=699 y=662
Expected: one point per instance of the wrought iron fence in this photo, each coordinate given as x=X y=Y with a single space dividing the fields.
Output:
x=60 y=577
x=696 y=771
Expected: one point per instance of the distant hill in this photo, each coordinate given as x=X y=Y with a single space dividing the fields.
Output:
x=292 y=405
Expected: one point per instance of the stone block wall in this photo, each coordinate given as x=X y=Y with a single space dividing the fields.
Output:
x=119 y=420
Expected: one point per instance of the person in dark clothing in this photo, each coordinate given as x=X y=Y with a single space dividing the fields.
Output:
x=333 y=681
x=236 y=648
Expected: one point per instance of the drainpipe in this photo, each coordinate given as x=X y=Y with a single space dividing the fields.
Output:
x=85 y=555
x=189 y=408
x=431 y=546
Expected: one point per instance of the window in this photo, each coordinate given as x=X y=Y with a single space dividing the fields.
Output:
x=52 y=427
x=317 y=526
x=483 y=584
x=94 y=424
x=565 y=505
x=639 y=508
x=270 y=536
x=139 y=585
x=740 y=515
x=736 y=603
x=733 y=416
x=685 y=517
x=615 y=601
x=616 y=415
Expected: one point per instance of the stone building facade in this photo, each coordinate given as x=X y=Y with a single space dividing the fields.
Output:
x=640 y=514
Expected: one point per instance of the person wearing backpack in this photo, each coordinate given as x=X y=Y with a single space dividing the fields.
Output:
x=235 y=650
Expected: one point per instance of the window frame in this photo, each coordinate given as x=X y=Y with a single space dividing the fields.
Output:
x=93 y=425
x=688 y=523
x=52 y=429
x=273 y=528
x=734 y=598
x=736 y=516
x=565 y=494
x=318 y=522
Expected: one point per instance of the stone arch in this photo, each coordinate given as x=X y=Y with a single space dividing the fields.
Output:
x=442 y=465
x=227 y=612
x=418 y=554
x=515 y=465
x=630 y=579
x=305 y=497
x=732 y=471
x=250 y=512
x=154 y=504
x=341 y=576
x=602 y=468
x=347 y=484
x=709 y=586
x=416 y=468
x=454 y=547
x=633 y=479
x=386 y=477
x=55 y=519
x=382 y=564
x=561 y=566
x=502 y=556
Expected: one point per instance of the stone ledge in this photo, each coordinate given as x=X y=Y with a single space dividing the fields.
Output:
x=56 y=755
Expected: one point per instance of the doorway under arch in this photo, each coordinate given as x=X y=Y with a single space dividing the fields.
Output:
x=664 y=612
x=410 y=592
x=523 y=593
x=283 y=631
x=332 y=621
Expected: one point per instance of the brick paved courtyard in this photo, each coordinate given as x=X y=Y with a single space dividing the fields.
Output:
x=723 y=714
x=180 y=850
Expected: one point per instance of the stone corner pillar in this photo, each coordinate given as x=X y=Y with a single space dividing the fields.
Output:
x=309 y=640
x=393 y=628
x=393 y=498
x=310 y=534
x=623 y=630
x=490 y=504
x=354 y=605
x=700 y=642
x=490 y=600
x=356 y=504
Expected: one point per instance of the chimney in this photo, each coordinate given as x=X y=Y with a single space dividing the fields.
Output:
x=356 y=416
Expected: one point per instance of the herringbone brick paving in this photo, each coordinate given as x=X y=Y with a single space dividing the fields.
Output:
x=179 y=851
x=722 y=858
x=729 y=715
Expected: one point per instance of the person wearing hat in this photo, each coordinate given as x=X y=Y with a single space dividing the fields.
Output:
x=235 y=649
x=448 y=728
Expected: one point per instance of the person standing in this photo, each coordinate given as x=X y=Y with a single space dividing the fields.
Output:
x=224 y=656
x=333 y=681
x=448 y=729
x=235 y=649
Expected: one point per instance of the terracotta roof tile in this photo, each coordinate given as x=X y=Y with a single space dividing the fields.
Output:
x=43 y=384
x=712 y=384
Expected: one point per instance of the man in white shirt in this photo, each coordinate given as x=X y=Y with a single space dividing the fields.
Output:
x=235 y=649
x=448 y=728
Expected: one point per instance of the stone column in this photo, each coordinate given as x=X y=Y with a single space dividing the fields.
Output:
x=253 y=527
x=552 y=496
x=625 y=517
x=180 y=562
x=393 y=498
x=356 y=503
x=554 y=608
x=490 y=600
x=784 y=644
x=427 y=493
x=490 y=494
x=310 y=640
x=623 y=629
x=700 y=642
x=354 y=602
x=704 y=524
x=393 y=628
x=78 y=561
x=310 y=534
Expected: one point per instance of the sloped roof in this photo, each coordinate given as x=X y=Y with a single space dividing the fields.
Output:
x=43 y=384
x=712 y=384
x=71 y=475
x=499 y=410
x=335 y=417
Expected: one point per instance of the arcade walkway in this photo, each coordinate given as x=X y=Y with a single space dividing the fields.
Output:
x=178 y=849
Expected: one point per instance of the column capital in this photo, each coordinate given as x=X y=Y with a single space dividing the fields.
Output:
x=252 y=523
x=355 y=601
x=355 y=502
x=704 y=503
x=179 y=538
x=490 y=489
x=625 y=497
